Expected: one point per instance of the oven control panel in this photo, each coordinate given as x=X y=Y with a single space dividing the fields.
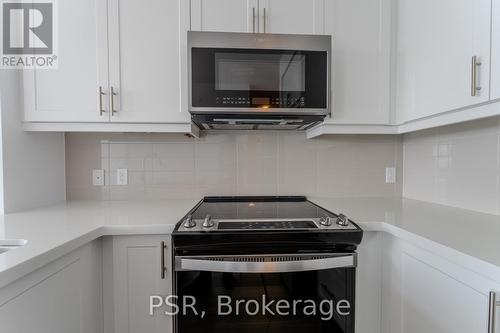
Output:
x=219 y=225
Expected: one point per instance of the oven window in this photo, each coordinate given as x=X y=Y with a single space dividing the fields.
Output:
x=325 y=285
x=260 y=72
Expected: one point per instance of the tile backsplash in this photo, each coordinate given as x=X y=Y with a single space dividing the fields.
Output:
x=162 y=166
x=455 y=165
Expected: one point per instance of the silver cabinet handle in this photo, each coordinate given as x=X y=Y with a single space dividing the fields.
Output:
x=101 y=93
x=255 y=264
x=265 y=19
x=492 y=307
x=474 y=77
x=253 y=19
x=112 y=97
x=163 y=268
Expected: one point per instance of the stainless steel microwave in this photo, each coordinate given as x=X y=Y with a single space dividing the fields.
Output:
x=258 y=81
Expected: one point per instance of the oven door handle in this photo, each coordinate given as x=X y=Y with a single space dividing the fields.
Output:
x=219 y=264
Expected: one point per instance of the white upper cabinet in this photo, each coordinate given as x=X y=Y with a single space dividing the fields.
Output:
x=225 y=15
x=133 y=51
x=271 y=16
x=292 y=16
x=70 y=93
x=144 y=58
x=361 y=32
x=437 y=40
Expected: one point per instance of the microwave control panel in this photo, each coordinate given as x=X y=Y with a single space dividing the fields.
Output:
x=263 y=102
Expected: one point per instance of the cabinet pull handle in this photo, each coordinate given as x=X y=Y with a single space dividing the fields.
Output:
x=253 y=19
x=474 y=67
x=162 y=259
x=493 y=304
x=265 y=19
x=112 y=95
x=101 y=93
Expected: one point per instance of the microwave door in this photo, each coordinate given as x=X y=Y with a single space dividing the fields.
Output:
x=272 y=81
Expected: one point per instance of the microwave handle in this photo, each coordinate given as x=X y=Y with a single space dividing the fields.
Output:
x=236 y=266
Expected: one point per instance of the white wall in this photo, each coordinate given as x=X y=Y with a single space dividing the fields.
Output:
x=455 y=165
x=232 y=163
x=33 y=163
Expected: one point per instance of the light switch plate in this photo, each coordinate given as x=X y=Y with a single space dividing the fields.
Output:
x=98 y=177
x=121 y=177
x=390 y=175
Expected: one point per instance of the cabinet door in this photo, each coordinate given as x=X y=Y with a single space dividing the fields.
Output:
x=70 y=93
x=495 y=51
x=292 y=16
x=64 y=296
x=146 y=48
x=361 y=32
x=225 y=15
x=424 y=292
x=436 y=302
x=137 y=276
x=436 y=42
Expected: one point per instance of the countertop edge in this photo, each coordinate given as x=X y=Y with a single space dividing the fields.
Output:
x=481 y=267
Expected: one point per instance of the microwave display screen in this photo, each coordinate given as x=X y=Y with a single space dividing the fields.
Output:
x=260 y=72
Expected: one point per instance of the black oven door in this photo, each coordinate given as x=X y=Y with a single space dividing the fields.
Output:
x=238 y=79
x=311 y=293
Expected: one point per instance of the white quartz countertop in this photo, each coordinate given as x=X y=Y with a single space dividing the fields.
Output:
x=466 y=237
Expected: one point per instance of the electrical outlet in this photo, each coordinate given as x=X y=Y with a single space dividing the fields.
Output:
x=121 y=177
x=390 y=175
x=98 y=177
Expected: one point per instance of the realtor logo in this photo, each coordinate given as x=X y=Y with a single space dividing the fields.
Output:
x=28 y=34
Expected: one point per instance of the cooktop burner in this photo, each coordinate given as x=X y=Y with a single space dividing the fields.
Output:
x=294 y=213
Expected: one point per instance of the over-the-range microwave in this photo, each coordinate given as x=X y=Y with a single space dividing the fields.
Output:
x=258 y=81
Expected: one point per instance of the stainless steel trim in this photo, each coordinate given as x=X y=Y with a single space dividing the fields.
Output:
x=258 y=121
x=267 y=112
x=162 y=259
x=101 y=93
x=112 y=96
x=265 y=19
x=262 y=264
x=241 y=40
x=263 y=41
x=474 y=76
x=253 y=19
x=493 y=303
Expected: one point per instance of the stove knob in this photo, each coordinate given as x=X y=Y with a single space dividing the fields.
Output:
x=342 y=220
x=189 y=222
x=208 y=222
x=326 y=221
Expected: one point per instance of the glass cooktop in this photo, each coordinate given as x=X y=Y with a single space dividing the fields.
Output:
x=235 y=208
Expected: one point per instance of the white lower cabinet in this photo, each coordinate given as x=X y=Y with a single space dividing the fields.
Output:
x=62 y=297
x=132 y=273
x=368 y=279
x=423 y=292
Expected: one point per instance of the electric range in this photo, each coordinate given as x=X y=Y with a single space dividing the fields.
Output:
x=252 y=249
